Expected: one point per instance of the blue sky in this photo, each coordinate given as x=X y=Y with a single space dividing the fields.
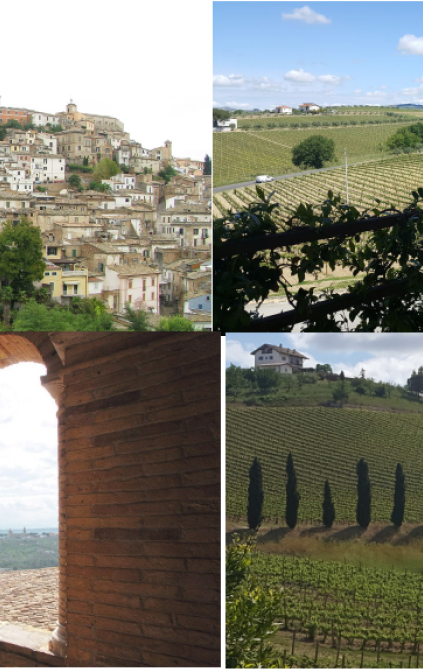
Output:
x=386 y=357
x=287 y=53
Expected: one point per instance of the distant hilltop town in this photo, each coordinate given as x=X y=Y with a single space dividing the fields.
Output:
x=135 y=232
x=28 y=535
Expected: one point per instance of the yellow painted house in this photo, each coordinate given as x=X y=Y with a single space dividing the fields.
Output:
x=66 y=278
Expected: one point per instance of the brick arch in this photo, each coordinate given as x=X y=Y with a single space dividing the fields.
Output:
x=139 y=496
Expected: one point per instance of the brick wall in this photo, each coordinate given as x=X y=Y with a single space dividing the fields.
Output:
x=139 y=428
x=139 y=471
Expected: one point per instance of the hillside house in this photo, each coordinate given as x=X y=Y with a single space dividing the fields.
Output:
x=309 y=107
x=278 y=358
x=283 y=109
x=225 y=125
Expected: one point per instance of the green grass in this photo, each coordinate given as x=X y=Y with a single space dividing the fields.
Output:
x=325 y=443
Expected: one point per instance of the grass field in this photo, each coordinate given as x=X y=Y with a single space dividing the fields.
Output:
x=241 y=156
x=325 y=443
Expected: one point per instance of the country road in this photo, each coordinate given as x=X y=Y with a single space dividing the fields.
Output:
x=239 y=185
x=279 y=305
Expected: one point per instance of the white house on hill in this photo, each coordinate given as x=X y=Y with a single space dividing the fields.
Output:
x=283 y=109
x=309 y=107
x=278 y=358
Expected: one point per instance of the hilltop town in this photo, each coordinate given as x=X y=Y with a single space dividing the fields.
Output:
x=138 y=238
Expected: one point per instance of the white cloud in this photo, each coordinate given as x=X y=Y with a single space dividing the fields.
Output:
x=410 y=44
x=412 y=91
x=376 y=94
x=307 y=15
x=28 y=449
x=299 y=76
x=238 y=354
x=231 y=80
x=239 y=106
x=387 y=369
x=358 y=91
x=330 y=79
x=375 y=344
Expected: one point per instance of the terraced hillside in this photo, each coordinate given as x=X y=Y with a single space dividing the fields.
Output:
x=241 y=156
x=390 y=180
x=325 y=443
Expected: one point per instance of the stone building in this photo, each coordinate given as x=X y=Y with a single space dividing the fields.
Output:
x=139 y=498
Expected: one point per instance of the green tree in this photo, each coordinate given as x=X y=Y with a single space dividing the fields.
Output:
x=234 y=380
x=267 y=380
x=167 y=173
x=341 y=392
x=409 y=137
x=105 y=169
x=85 y=161
x=139 y=319
x=313 y=152
x=75 y=181
x=175 y=323
x=397 y=516
x=364 y=498
x=325 y=368
x=255 y=496
x=328 y=507
x=21 y=256
x=99 y=186
x=292 y=494
x=251 y=612
x=207 y=170
x=415 y=382
x=220 y=115
x=40 y=317
x=3 y=131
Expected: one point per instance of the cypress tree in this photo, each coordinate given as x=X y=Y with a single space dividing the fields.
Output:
x=363 y=511
x=397 y=516
x=328 y=507
x=255 y=496
x=292 y=495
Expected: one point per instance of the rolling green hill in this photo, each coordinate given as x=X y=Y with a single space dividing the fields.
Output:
x=325 y=443
x=240 y=156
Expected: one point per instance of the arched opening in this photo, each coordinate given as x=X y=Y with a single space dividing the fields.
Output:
x=139 y=497
x=28 y=507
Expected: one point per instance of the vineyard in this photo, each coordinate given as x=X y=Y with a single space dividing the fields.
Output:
x=367 y=616
x=323 y=120
x=326 y=443
x=241 y=156
x=390 y=180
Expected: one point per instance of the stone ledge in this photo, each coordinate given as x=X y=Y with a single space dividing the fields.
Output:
x=29 y=644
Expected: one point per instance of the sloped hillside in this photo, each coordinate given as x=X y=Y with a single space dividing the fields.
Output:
x=325 y=443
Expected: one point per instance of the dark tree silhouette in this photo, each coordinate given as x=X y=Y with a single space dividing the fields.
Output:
x=363 y=511
x=397 y=516
x=292 y=494
x=328 y=507
x=255 y=496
